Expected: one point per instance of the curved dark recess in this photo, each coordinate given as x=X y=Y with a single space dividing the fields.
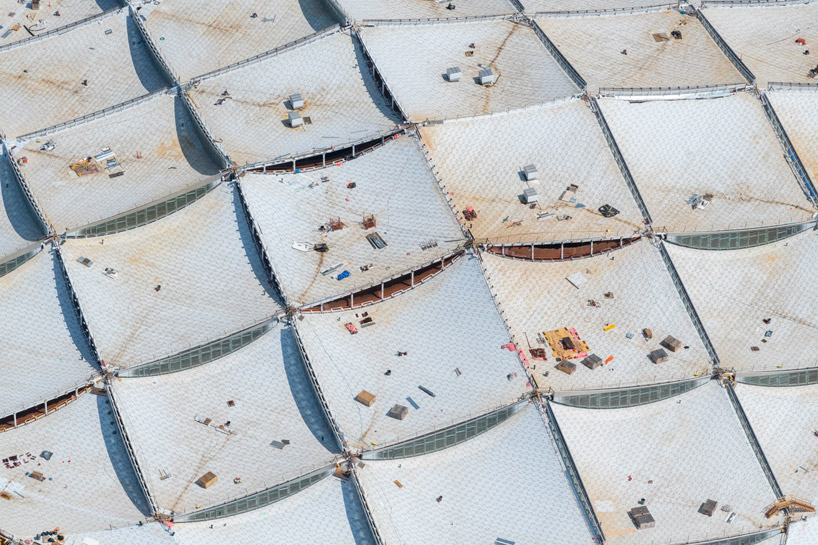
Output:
x=387 y=289
x=328 y=158
x=561 y=251
x=27 y=416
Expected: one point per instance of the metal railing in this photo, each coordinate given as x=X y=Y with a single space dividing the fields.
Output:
x=436 y=20
x=688 y=304
x=376 y=74
x=129 y=448
x=82 y=385
x=791 y=155
x=695 y=91
x=754 y=443
x=743 y=539
x=620 y=159
x=315 y=36
x=573 y=474
x=60 y=30
x=726 y=49
x=116 y=108
x=791 y=86
x=557 y=55
x=607 y=12
x=755 y=3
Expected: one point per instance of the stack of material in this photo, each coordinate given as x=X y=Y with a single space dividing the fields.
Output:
x=659 y=356
x=207 y=480
x=592 y=362
x=566 y=344
x=672 y=343
x=567 y=367
x=642 y=517
x=365 y=398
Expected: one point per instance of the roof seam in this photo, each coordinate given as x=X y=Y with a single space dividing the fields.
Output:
x=726 y=49
x=753 y=440
x=791 y=155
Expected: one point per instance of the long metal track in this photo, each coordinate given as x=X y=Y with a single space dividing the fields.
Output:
x=726 y=49
x=61 y=30
x=688 y=304
x=129 y=448
x=204 y=131
x=751 y=436
x=569 y=69
x=620 y=160
x=157 y=56
x=365 y=505
x=78 y=308
x=336 y=428
x=792 y=156
x=116 y=108
x=260 y=247
x=376 y=74
x=339 y=11
x=573 y=474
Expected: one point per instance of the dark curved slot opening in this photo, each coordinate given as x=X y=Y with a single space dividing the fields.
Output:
x=318 y=161
x=386 y=290
x=33 y=413
x=561 y=252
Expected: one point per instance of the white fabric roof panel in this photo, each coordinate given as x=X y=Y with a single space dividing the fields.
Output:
x=210 y=278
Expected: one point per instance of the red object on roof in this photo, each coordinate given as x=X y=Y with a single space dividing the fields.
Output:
x=801 y=41
x=351 y=327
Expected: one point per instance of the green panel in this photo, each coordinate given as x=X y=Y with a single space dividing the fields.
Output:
x=144 y=216
x=448 y=437
x=738 y=240
x=201 y=354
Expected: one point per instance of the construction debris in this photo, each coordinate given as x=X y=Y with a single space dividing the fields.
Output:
x=565 y=344
x=671 y=343
x=398 y=412
x=207 y=480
